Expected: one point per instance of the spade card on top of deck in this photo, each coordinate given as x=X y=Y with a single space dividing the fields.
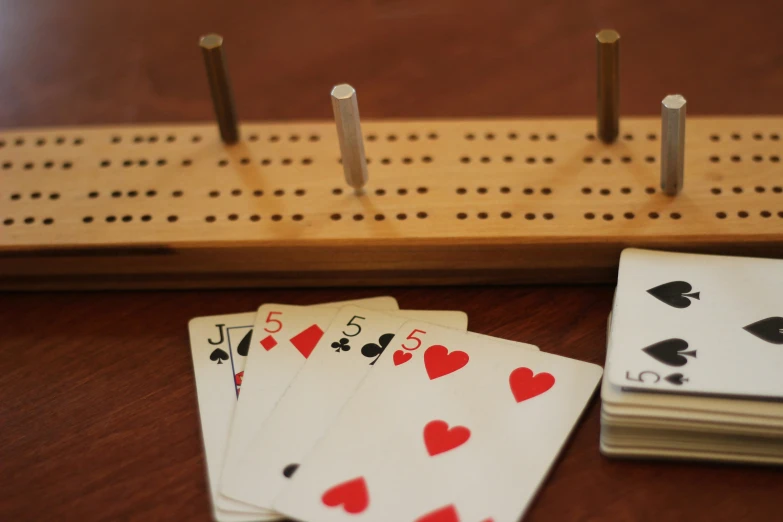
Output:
x=447 y=426
x=702 y=324
x=348 y=350
x=283 y=338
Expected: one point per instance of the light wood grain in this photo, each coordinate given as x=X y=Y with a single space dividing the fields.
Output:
x=448 y=201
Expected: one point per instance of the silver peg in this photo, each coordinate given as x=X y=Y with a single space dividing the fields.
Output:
x=349 y=132
x=672 y=144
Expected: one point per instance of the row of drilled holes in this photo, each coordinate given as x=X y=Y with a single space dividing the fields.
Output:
x=40 y=142
x=742 y=214
x=27 y=221
x=736 y=158
x=407 y=160
x=607 y=192
x=35 y=195
x=651 y=136
x=402 y=191
x=470 y=136
x=628 y=215
x=173 y=218
x=188 y=162
x=736 y=136
x=759 y=189
x=608 y=161
x=6 y=165
x=382 y=192
x=546 y=191
x=272 y=138
x=508 y=159
x=530 y=216
x=379 y=217
x=384 y=161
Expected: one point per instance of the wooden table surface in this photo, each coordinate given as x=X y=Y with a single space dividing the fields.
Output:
x=98 y=413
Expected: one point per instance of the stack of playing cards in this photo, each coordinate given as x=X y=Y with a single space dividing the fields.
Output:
x=694 y=364
x=360 y=411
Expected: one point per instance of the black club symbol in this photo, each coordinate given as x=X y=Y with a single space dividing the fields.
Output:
x=341 y=345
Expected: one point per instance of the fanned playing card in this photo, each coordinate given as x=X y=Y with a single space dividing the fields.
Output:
x=346 y=353
x=699 y=324
x=447 y=426
x=283 y=338
x=219 y=345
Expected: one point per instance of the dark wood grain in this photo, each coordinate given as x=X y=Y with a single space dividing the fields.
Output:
x=98 y=418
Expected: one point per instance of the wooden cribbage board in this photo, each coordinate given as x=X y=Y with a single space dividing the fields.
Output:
x=484 y=201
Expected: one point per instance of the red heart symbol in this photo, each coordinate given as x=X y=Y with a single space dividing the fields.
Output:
x=438 y=438
x=444 y=514
x=440 y=362
x=351 y=495
x=401 y=357
x=525 y=386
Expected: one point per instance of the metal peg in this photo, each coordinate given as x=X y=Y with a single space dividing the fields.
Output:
x=672 y=144
x=349 y=132
x=219 y=86
x=608 y=61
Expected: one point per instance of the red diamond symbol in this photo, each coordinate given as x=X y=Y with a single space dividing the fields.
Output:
x=268 y=342
x=306 y=340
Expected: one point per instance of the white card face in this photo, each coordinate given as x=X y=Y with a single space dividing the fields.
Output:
x=219 y=348
x=663 y=405
x=689 y=323
x=344 y=356
x=283 y=338
x=447 y=426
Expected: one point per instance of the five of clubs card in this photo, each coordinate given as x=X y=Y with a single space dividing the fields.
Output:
x=357 y=410
x=360 y=411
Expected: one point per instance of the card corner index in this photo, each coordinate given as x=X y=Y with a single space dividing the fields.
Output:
x=615 y=377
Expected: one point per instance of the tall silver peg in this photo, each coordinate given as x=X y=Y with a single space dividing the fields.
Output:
x=672 y=144
x=349 y=132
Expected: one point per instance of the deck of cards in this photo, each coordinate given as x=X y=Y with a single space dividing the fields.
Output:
x=359 y=411
x=694 y=365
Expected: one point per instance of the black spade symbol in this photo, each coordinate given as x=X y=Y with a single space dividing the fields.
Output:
x=244 y=344
x=676 y=378
x=668 y=352
x=375 y=350
x=290 y=470
x=674 y=294
x=769 y=329
x=218 y=355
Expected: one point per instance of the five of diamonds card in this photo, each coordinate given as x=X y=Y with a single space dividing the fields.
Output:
x=357 y=410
